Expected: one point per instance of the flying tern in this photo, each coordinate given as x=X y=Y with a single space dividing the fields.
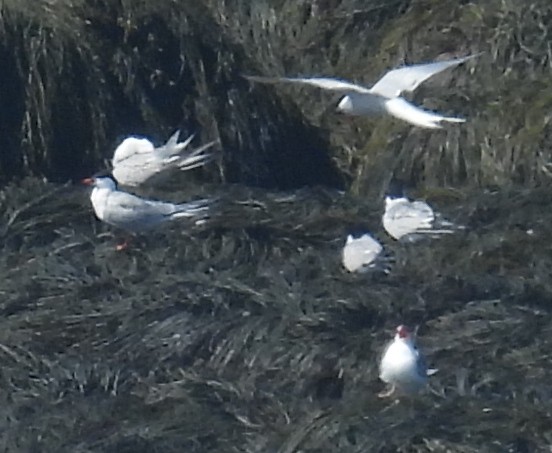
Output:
x=385 y=96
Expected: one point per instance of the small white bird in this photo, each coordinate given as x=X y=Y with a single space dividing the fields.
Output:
x=385 y=95
x=402 y=366
x=408 y=219
x=137 y=161
x=360 y=252
x=134 y=214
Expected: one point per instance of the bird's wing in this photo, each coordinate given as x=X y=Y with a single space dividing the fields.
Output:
x=195 y=157
x=423 y=210
x=131 y=147
x=408 y=78
x=404 y=219
x=171 y=149
x=411 y=211
x=368 y=246
x=382 y=353
x=326 y=83
x=193 y=208
x=125 y=209
x=421 y=365
x=173 y=139
x=361 y=253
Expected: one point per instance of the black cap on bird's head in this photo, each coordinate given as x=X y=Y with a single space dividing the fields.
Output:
x=396 y=188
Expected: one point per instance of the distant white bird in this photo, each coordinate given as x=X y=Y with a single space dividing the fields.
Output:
x=359 y=253
x=408 y=219
x=134 y=214
x=384 y=96
x=137 y=161
x=402 y=366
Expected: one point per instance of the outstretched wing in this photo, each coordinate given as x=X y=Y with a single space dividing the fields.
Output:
x=408 y=78
x=172 y=147
x=325 y=83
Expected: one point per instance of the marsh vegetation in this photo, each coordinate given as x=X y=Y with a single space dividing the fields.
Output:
x=245 y=334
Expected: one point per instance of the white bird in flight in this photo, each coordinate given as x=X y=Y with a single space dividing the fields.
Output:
x=135 y=214
x=408 y=219
x=136 y=161
x=402 y=366
x=360 y=253
x=385 y=95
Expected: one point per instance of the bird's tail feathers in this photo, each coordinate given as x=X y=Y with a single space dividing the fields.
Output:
x=452 y=119
x=198 y=209
x=196 y=158
x=172 y=146
x=436 y=231
x=192 y=208
x=420 y=234
x=432 y=371
x=441 y=223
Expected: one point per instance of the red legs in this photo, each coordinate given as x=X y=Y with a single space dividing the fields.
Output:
x=122 y=245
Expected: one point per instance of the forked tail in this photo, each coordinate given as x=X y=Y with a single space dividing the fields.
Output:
x=198 y=208
x=196 y=157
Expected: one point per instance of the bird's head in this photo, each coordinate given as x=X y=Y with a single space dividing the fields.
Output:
x=345 y=105
x=101 y=182
x=402 y=333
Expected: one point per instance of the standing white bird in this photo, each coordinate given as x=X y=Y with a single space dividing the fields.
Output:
x=402 y=366
x=134 y=214
x=137 y=161
x=385 y=96
x=408 y=219
x=360 y=253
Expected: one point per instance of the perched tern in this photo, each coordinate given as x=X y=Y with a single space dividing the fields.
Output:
x=410 y=219
x=385 y=96
x=360 y=252
x=137 y=161
x=402 y=366
x=134 y=214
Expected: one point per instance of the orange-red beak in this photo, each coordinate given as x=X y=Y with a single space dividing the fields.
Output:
x=87 y=181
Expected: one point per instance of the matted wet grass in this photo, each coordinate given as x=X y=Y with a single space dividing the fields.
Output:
x=246 y=335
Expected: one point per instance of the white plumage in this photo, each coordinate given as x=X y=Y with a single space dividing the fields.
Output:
x=402 y=366
x=384 y=96
x=360 y=253
x=403 y=218
x=135 y=214
x=136 y=161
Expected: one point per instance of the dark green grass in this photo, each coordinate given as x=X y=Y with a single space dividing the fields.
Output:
x=77 y=76
x=245 y=334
